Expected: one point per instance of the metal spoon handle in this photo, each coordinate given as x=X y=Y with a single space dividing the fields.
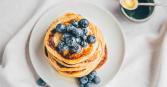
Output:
x=152 y=4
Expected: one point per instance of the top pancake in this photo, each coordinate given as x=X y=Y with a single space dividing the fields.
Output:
x=86 y=52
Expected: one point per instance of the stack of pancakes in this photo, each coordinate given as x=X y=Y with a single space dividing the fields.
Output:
x=79 y=64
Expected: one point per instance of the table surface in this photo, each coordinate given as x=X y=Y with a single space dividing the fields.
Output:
x=15 y=13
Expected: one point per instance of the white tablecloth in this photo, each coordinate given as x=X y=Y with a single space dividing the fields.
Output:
x=143 y=65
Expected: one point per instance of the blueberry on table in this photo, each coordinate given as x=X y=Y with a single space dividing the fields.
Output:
x=91 y=76
x=83 y=80
x=60 y=28
x=74 y=23
x=88 y=84
x=96 y=80
x=83 y=23
x=81 y=85
x=91 y=39
x=75 y=49
x=94 y=73
x=41 y=82
x=77 y=32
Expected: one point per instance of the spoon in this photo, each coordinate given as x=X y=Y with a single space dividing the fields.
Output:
x=133 y=4
x=152 y=4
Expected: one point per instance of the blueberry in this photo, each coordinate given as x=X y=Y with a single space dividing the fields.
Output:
x=74 y=23
x=83 y=43
x=83 y=23
x=70 y=41
x=60 y=28
x=88 y=84
x=91 y=39
x=85 y=30
x=65 y=47
x=78 y=40
x=41 y=82
x=81 y=85
x=77 y=32
x=65 y=35
x=96 y=80
x=84 y=37
x=53 y=31
x=94 y=73
x=91 y=76
x=70 y=28
x=59 y=49
x=75 y=49
x=60 y=46
x=83 y=80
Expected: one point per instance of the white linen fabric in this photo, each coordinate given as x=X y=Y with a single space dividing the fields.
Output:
x=144 y=64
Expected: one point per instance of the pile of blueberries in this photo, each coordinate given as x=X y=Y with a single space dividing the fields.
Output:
x=89 y=80
x=74 y=36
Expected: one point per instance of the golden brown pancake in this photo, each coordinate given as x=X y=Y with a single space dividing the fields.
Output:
x=79 y=64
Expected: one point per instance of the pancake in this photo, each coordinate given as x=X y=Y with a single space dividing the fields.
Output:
x=79 y=64
x=69 y=68
x=78 y=72
x=76 y=57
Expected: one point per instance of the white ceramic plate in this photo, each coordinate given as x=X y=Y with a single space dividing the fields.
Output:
x=103 y=19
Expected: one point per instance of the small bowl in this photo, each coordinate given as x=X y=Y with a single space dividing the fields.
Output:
x=141 y=13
